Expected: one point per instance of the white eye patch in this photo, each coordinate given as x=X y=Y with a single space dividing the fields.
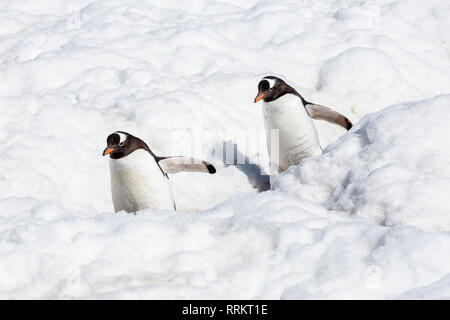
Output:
x=271 y=82
x=122 y=136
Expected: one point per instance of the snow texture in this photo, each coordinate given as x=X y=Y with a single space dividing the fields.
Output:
x=370 y=218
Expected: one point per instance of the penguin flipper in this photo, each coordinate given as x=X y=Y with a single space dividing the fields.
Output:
x=323 y=113
x=179 y=164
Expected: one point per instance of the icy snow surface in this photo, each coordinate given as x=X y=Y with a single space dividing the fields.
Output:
x=370 y=218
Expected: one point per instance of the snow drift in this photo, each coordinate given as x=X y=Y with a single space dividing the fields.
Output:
x=392 y=168
x=367 y=219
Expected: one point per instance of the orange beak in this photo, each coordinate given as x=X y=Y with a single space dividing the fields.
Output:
x=259 y=97
x=108 y=151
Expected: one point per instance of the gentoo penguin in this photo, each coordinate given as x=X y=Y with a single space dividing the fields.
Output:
x=139 y=177
x=286 y=110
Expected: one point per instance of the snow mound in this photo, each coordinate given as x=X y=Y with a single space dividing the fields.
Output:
x=351 y=72
x=392 y=168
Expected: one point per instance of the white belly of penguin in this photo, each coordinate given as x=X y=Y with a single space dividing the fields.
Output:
x=298 y=138
x=138 y=183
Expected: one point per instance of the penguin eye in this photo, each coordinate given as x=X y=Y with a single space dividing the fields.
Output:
x=264 y=85
x=268 y=84
x=121 y=143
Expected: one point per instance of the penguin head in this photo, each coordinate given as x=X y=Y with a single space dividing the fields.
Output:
x=120 y=144
x=271 y=88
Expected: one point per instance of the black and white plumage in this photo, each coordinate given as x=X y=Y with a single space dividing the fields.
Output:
x=290 y=115
x=139 y=177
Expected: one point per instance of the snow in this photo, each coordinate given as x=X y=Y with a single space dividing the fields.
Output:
x=391 y=168
x=370 y=218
